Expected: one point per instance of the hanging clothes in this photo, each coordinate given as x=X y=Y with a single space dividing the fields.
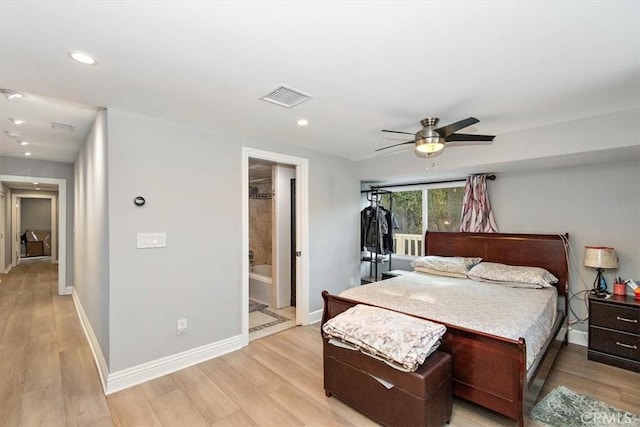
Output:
x=376 y=229
x=392 y=225
x=373 y=227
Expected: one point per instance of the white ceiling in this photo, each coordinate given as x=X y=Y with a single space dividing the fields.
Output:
x=369 y=65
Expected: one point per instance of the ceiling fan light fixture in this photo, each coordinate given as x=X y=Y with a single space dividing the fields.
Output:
x=431 y=140
x=429 y=145
x=427 y=140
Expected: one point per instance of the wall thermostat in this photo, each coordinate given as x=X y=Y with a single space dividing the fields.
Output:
x=139 y=201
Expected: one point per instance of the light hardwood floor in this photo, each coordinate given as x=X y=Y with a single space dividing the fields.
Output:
x=48 y=377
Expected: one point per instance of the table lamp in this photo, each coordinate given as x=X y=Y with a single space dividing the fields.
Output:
x=600 y=257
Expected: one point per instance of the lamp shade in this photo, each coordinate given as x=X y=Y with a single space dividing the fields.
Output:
x=600 y=257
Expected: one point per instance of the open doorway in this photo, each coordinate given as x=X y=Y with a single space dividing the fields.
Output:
x=17 y=187
x=271 y=286
x=267 y=238
x=37 y=225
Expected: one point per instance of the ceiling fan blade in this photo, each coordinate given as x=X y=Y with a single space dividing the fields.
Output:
x=395 y=145
x=466 y=137
x=447 y=130
x=397 y=131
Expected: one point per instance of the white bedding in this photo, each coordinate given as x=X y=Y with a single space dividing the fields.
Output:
x=486 y=307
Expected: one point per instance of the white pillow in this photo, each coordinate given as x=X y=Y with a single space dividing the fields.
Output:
x=427 y=270
x=495 y=272
x=451 y=264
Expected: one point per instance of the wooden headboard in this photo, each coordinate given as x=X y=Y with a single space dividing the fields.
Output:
x=534 y=250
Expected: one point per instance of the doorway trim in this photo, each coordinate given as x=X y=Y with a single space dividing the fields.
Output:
x=17 y=197
x=62 y=223
x=302 y=233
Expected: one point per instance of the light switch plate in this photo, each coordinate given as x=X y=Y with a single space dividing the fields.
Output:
x=152 y=240
x=182 y=326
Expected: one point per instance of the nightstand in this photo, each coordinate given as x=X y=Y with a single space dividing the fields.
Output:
x=614 y=331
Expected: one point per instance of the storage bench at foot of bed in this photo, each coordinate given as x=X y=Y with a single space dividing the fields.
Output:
x=420 y=398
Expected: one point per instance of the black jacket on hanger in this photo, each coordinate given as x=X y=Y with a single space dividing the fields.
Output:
x=376 y=229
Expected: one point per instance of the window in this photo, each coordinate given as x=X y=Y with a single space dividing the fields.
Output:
x=444 y=208
x=437 y=206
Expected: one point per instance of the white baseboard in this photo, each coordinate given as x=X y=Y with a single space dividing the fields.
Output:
x=98 y=357
x=157 y=368
x=578 y=337
x=116 y=381
x=315 y=316
x=8 y=269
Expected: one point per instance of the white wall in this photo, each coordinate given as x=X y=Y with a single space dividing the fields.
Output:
x=596 y=204
x=35 y=214
x=91 y=262
x=191 y=179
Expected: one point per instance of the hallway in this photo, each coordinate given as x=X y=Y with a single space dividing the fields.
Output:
x=48 y=376
x=47 y=370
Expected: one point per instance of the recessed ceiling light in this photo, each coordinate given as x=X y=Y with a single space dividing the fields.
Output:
x=303 y=122
x=23 y=143
x=27 y=153
x=83 y=58
x=35 y=183
x=12 y=134
x=11 y=94
x=37 y=188
x=18 y=121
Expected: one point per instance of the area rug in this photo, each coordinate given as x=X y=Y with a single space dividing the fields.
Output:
x=267 y=318
x=565 y=408
x=256 y=306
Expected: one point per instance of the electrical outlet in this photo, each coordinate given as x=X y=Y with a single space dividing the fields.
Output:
x=352 y=282
x=181 y=326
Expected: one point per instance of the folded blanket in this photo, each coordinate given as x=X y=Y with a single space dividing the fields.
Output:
x=402 y=341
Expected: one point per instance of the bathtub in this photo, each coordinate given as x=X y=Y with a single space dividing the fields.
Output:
x=260 y=283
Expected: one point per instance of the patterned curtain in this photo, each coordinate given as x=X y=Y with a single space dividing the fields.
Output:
x=476 y=210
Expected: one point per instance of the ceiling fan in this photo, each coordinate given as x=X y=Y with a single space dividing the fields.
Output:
x=431 y=140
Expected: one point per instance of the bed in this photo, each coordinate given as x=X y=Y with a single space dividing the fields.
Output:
x=491 y=370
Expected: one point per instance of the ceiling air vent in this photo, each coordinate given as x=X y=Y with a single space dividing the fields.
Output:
x=286 y=96
x=61 y=126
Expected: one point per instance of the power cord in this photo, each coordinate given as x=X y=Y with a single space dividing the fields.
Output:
x=582 y=294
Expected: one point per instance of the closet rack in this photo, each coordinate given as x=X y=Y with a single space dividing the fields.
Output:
x=374 y=197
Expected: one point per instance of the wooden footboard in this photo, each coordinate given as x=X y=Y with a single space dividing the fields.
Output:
x=487 y=370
